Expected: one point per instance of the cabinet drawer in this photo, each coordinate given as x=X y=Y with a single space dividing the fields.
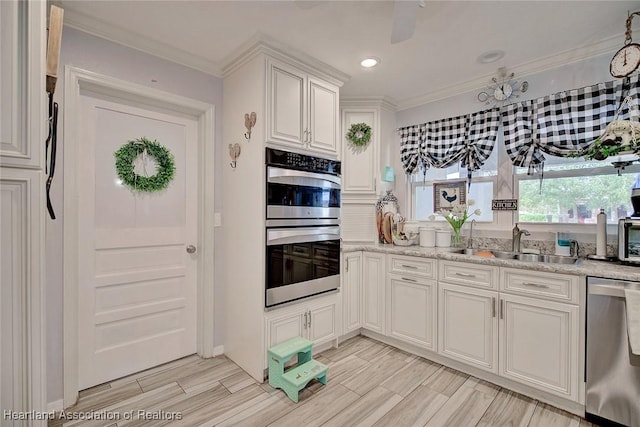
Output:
x=477 y=275
x=400 y=264
x=553 y=286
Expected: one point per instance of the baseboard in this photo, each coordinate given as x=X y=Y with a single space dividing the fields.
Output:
x=350 y=335
x=218 y=350
x=55 y=406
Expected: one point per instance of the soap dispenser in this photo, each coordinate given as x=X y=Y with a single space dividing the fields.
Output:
x=563 y=244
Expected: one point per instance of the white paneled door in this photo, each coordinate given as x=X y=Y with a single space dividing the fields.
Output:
x=137 y=283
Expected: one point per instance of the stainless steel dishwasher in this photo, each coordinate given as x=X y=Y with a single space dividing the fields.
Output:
x=612 y=371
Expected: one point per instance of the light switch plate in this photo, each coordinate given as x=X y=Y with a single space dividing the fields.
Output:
x=217 y=219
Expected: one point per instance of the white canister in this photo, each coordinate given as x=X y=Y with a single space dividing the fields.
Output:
x=443 y=238
x=427 y=237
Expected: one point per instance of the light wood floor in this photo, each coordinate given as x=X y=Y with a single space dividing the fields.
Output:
x=369 y=384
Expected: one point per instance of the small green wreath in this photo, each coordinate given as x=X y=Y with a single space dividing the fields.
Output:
x=125 y=168
x=359 y=134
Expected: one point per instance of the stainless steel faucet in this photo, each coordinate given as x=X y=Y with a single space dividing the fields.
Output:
x=574 y=248
x=517 y=234
x=470 y=241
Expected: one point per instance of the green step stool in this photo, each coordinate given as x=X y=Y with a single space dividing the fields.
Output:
x=295 y=378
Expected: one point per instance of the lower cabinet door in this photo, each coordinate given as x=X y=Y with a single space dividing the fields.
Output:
x=413 y=310
x=468 y=325
x=352 y=291
x=539 y=344
x=373 y=280
x=321 y=324
x=282 y=328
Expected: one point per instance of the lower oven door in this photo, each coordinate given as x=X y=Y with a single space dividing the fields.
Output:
x=301 y=262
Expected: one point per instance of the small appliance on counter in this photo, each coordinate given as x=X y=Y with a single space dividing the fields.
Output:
x=629 y=229
x=629 y=240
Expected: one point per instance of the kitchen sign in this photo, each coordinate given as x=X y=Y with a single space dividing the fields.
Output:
x=504 y=204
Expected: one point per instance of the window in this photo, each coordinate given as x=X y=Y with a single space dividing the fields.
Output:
x=481 y=191
x=574 y=191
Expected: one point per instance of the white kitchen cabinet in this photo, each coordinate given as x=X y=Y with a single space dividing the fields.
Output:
x=303 y=110
x=373 y=288
x=539 y=344
x=23 y=129
x=412 y=311
x=314 y=321
x=321 y=323
x=551 y=286
x=274 y=85
x=468 y=274
x=527 y=332
x=22 y=84
x=352 y=291
x=362 y=166
x=468 y=325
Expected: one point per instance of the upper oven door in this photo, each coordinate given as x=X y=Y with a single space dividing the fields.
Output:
x=299 y=194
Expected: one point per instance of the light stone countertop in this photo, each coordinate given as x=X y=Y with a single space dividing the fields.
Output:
x=584 y=267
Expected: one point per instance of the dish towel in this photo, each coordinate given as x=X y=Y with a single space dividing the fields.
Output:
x=632 y=296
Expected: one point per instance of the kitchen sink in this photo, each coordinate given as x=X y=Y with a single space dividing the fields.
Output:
x=485 y=252
x=550 y=259
x=547 y=259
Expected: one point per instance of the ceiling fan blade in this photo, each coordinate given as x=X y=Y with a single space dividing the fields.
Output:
x=404 y=20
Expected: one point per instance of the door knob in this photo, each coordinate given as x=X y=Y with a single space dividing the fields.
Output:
x=191 y=249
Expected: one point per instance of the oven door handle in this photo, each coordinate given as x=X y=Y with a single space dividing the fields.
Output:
x=283 y=236
x=306 y=179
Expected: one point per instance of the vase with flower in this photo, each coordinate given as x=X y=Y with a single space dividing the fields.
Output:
x=456 y=217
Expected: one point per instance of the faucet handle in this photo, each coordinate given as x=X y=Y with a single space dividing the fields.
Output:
x=574 y=248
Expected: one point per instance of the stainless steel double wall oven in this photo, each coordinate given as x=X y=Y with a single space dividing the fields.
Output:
x=302 y=226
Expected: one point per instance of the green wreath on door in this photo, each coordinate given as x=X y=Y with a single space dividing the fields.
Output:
x=164 y=159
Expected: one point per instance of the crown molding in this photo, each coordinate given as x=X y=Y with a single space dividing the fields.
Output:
x=136 y=41
x=260 y=43
x=566 y=57
x=383 y=101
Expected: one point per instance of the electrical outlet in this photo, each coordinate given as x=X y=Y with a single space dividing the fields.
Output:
x=217 y=219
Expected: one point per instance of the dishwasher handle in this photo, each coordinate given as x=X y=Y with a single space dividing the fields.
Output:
x=611 y=288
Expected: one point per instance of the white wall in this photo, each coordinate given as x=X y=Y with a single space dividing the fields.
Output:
x=571 y=76
x=91 y=53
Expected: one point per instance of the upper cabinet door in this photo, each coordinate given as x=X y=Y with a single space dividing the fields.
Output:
x=323 y=113
x=359 y=170
x=287 y=105
x=303 y=110
x=22 y=88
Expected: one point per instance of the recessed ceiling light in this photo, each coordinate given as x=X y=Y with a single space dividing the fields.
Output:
x=491 y=56
x=370 y=62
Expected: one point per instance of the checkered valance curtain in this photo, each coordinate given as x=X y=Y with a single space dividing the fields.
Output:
x=467 y=139
x=563 y=124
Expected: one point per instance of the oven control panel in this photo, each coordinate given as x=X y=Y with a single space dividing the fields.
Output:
x=289 y=160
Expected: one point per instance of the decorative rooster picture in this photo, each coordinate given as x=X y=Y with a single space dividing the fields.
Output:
x=446 y=195
x=449 y=198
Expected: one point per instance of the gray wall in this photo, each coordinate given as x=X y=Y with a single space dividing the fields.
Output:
x=91 y=53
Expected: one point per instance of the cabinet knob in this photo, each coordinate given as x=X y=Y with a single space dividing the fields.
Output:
x=191 y=249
